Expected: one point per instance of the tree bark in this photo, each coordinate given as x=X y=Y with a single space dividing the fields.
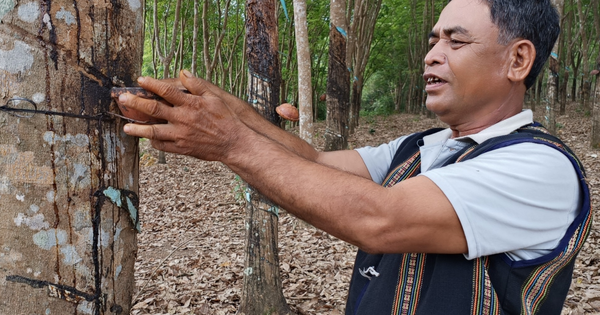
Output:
x=165 y=55
x=338 y=81
x=68 y=174
x=553 y=67
x=262 y=293
x=585 y=46
x=304 y=72
x=195 y=37
x=595 y=141
x=362 y=29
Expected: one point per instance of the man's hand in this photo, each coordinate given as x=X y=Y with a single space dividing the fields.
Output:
x=200 y=124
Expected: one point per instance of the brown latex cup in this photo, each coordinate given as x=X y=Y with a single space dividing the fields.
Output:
x=288 y=111
x=132 y=114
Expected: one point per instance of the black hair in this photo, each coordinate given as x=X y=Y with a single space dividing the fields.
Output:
x=533 y=20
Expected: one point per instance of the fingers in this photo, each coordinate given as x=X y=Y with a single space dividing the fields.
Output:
x=144 y=131
x=151 y=107
x=168 y=89
x=169 y=146
x=196 y=86
x=201 y=87
x=174 y=81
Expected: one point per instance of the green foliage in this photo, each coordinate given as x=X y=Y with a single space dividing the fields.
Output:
x=378 y=98
x=396 y=60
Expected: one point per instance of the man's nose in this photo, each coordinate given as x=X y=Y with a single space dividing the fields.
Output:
x=435 y=56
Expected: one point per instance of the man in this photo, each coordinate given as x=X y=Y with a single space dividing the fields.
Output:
x=500 y=228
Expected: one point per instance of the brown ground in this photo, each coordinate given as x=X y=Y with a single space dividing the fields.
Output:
x=191 y=246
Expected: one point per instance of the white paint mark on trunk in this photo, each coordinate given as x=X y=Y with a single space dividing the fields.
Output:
x=5 y=7
x=85 y=307
x=66 y=16
x=103 y=240
x=10 y=258
x=34 y=208
x=134 y=4
x=50 y=196
x=19 y=59
x=38 y=97
x=118 y=271
x=80 y=140
x=130 y=184
x=29 y=12
x=81 y=177
x=70 y=255
x=35 y=222
x=4 y=185
x=47 y=21
x=49 y=238
x=81 y=219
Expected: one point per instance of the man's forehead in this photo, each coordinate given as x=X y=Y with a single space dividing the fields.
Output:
x=463 y=17
x=457 y=29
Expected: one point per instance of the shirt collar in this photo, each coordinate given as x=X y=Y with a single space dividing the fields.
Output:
x=501 y=128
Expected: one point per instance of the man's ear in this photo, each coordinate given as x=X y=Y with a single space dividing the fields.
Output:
x=522 y=55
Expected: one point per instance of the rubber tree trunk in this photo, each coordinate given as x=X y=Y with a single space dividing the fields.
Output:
x=68 y=174
x=262 y=293
x=338 y=81
x=552 y=105
x=595 y=141
x=304 y=72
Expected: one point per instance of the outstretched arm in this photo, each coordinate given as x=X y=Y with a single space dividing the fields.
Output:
x=347 y=160
x=336 y=200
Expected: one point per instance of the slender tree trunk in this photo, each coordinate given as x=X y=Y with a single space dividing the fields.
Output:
x=585 y=79
x=538 y=91
x=165 y=54
x=553 y=71
x=595 y=141
x=195 y=37
x=68 y=174
x=567 y=31
x=338 y=81
x=363 y=27
x=304 y=72
x=205 y=41
x=564 y=83
x=262 y=293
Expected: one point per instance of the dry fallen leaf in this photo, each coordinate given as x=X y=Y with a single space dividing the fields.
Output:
x=198 y=202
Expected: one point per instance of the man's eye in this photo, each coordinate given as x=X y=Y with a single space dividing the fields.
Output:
x=431 y=44
x=455 y=42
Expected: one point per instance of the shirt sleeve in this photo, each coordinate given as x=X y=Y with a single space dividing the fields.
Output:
x=519 y=199
x=378 y=159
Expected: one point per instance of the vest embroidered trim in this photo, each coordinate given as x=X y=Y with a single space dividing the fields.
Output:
x=404 y=170
x=467 y=152
x=485 y=300
x=408 y=287
x=536 y=287
x=411 y=270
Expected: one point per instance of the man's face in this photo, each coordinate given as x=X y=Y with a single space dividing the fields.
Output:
x=465 y=70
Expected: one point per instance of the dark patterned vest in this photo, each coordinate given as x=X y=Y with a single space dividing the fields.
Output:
x=430 y=284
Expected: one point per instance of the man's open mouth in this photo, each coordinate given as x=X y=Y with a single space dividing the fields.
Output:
x=434 y=80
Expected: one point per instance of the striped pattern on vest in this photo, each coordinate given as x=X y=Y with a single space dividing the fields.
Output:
x=420 y=284
x=410 y=275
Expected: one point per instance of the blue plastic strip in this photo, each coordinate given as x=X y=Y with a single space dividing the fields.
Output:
x=287 y=17
x=341 y=30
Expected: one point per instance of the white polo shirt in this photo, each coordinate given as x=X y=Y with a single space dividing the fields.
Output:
x=517 y=200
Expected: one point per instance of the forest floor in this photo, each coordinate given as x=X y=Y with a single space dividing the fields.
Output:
x=191 y=248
